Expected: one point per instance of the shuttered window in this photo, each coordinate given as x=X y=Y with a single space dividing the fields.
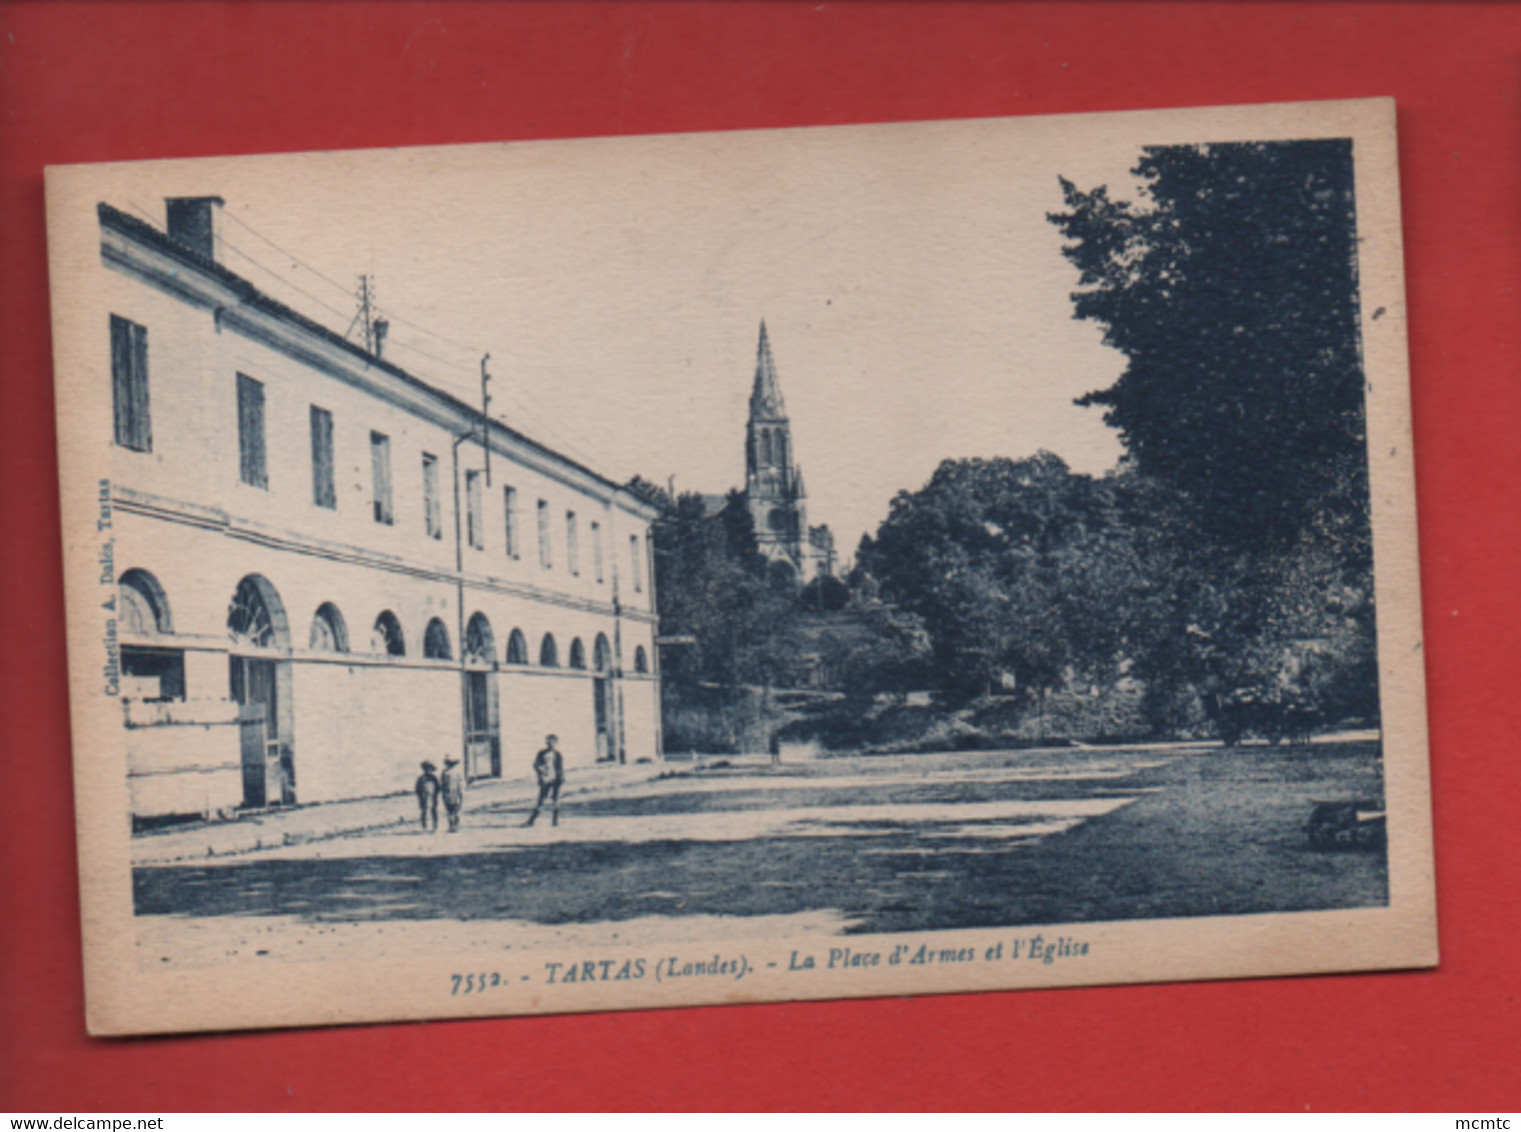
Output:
x=546 y=559
x=433 y=513
x=129 y=384
x=380 y=474
x=636 y=566
x=510 y=511
x=596 y=540
x=324 y=491
x=252 y=464
x=572 y=544
x=474 y=519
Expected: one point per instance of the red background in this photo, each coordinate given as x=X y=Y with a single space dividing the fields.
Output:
x=111 y=81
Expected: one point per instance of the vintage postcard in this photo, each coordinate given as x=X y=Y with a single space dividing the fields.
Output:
x=453 y=630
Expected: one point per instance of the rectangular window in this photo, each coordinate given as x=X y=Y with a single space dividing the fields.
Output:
x=635 y=565
x=129 y=384
x=572 y=545
x=380 y=473
x=433 y=513
x=474 y=519
x=251 y=460
x=596 y=537
x=324 y=492
x=510 y=513
x=546 y=559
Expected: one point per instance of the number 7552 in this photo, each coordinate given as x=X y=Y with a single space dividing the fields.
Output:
x=474 y=984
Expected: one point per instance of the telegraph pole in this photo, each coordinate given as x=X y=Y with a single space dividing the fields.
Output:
x=486 y=416
x=365 y=317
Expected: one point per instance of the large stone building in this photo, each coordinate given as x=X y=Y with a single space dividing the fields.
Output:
x=321 y=579
x=774 y=491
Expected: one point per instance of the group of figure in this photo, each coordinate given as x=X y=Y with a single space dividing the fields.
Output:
x=548 y=768
x=451 y=787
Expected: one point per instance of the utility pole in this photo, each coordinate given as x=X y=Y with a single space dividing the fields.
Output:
x=486 y=416
x=459 y=610
x=365 y=317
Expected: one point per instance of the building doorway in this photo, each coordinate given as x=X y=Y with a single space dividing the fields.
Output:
x=602 y=703
x=483 y=744
x=255 y=688
x=260 y=684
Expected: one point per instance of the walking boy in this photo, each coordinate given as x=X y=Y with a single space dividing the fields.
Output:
x=454 y=792
x=427 y=796
x=549 y=766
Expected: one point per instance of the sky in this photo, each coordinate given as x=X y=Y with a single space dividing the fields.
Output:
x=915 y=294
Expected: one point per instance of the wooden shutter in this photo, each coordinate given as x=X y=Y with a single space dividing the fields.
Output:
x=251 y=432
x=324 y=492
x=129 y=384
x=510 y=511
x=380 y=468
x=473 y=509
x=433 y=519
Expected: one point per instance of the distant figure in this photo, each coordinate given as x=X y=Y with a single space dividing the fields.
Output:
x=427 y=796
x=549 y=766
x=454 y=792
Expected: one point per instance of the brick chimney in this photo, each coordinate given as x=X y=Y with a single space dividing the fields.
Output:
x=195 y=222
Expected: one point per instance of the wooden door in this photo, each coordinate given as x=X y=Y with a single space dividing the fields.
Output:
x=251 y=727
x=255 y=688
x=600 y=690
x=483 y=757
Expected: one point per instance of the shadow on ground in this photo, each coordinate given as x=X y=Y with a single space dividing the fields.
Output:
x=1216 y=834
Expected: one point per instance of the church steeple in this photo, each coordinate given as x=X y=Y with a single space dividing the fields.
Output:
x=766 y=397
x=774 y=491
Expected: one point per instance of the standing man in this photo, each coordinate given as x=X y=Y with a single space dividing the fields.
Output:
x=549 y=767
x=454 y=792
x=427 y=796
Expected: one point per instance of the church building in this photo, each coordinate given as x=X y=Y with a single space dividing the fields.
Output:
x=774 y=492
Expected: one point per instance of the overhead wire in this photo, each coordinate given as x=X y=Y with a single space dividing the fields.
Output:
x=423 y=353
x=230 y=246
x=293 y=258
x=537 y=425
x=141 y=211
x=418 y=326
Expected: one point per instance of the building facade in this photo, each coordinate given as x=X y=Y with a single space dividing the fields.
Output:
x=774 y=491
x=321 y=579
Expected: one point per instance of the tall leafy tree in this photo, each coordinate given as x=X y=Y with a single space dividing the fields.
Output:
x=1017 y=568
x=712 y=589
x=1230 y=284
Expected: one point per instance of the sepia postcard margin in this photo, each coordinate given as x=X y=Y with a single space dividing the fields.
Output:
x=121 y=998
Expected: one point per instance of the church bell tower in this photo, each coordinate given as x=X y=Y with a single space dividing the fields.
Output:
x=773 y=482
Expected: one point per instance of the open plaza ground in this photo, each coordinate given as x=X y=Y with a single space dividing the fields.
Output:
x=741 y=848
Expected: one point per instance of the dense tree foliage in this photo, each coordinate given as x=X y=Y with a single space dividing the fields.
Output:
x=1229 y=558
x=1221 y=576
x=1231 y=288
x=713 y=587
x=745 y=624
x=1021 y=571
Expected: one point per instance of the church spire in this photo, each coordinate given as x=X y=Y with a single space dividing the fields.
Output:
x=766 y=397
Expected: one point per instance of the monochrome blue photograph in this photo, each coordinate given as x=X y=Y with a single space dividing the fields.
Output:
x=453 y=629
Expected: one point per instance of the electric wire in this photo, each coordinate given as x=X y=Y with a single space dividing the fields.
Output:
x=347 y=292
x=230 y=246
x=537 y=425
x=418 y=326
